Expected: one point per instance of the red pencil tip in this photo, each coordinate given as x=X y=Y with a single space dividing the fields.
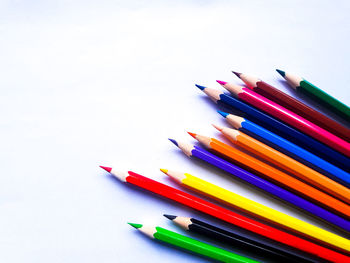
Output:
x=221 y=82
x=192 y=134
x=108 y=169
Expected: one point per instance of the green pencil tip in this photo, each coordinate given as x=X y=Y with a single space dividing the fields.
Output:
x=135 y=225
x=281 y=72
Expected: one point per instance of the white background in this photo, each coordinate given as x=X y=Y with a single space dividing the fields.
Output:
x=88 y=83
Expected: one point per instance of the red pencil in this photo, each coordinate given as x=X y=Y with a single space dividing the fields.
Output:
x=227 y=215
x=287 y=116
x=294 y=105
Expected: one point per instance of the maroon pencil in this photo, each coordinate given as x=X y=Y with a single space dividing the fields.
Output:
x=294 y=105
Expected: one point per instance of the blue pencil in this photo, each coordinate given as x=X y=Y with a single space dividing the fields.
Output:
x=278 y=127
x=287 y=147
x=195 y=151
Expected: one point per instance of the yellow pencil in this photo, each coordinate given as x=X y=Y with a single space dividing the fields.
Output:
x=259 y=210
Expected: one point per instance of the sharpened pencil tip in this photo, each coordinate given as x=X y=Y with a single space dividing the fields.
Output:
x=281 y=72
x=221 y=82
x=164 y=170
x=200 y=87
x=173 y=141
x=219 y=128
x=171 y=217
x=135 y=225
x=192 y=134
x=237 y=73
x=223 y=114
x=108 y=169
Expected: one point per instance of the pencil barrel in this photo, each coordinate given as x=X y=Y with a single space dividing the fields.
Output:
x=239 y=242
x=199 y=247
x=301 y=109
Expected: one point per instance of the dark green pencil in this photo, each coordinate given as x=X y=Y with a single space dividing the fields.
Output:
x=317 y=94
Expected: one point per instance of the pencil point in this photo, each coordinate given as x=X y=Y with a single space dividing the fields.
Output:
x=219 y=128
x=164 y=170
x=108 y=169
x=281 y=72
x=135 y=225
x=171 y=217
x=223 y=114
x=200 y=87
x=221 y=82
x=173 y=141
x=237 y=74
x=192 y=134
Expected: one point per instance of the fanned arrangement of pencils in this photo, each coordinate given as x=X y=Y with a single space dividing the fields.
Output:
x=287 y=149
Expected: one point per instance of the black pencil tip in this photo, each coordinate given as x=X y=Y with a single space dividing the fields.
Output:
x=281 y=72
x=171 y=217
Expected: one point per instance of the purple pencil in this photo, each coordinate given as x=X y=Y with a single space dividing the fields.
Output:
x=194 y=151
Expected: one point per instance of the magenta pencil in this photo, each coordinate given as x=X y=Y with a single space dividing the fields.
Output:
x=264 y=104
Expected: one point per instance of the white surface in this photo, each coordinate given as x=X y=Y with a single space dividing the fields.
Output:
x=88 y=83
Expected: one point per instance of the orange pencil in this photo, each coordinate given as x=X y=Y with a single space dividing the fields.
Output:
x=276 y=175
x=287 y=163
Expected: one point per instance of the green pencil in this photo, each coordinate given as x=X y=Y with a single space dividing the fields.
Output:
x=316 y=93
x=170 y=237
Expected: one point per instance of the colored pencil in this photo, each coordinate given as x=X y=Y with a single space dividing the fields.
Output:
x=277 y=176
x=289 y=164
x=258 y=210
x=187 y=243
x=294 y=105
x=287 y=147
x=287 y=116
x=238 y=241
x=309 y=89
x=278 y=127
x=195 y=151
x=227 y=215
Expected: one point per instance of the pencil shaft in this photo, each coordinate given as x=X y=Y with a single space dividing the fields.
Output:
x=284 y=179
x=267 y=186
x=319 y=95
x=231 y=217
x=295 y=121
x=301 y=109
x=316 y=94
x=198 y=247
x=294 y=167
x=234 y=218
x=287 y=132
x=294 y=151
x=241 y=242
x=265 y=212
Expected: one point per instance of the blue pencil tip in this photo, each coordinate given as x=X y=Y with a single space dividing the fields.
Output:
x=281 y=72
x=223 y=114
x=200 y=87
x=173 y=141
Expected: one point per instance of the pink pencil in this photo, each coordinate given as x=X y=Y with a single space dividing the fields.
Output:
x=287 y=116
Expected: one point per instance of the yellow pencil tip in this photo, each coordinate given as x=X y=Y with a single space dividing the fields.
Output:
x=164 y=170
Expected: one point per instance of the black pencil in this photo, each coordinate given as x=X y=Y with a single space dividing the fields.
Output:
x=238 y=241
